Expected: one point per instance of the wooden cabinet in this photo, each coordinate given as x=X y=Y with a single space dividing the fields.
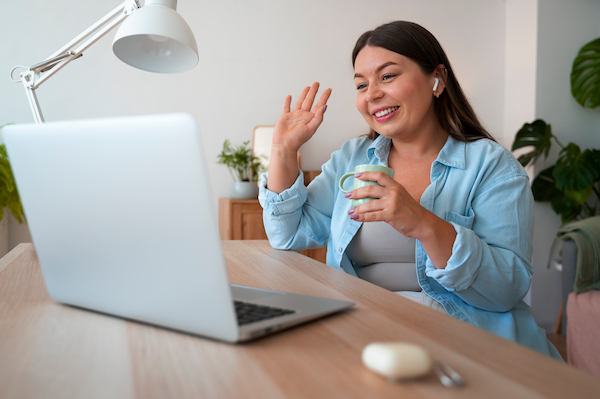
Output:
x=242 y=220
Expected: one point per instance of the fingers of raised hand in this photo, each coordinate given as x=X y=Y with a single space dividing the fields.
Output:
x=323 y=99
x=301 y=98
x=286 y=104
x=319 y=110
x=307 y=97
x=310 y=97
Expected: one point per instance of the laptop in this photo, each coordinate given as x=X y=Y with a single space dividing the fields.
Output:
x=123 y=222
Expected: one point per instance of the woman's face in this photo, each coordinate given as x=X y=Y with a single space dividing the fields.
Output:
x=394 y=95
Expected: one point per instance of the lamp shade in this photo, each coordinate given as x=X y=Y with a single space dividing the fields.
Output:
x=156 y=38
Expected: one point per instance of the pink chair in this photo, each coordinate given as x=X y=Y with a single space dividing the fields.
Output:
x=583 y=330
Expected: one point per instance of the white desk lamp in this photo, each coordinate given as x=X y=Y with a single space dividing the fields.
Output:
x=155 y=38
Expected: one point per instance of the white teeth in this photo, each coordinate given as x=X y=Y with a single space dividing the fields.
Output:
x=385 y=112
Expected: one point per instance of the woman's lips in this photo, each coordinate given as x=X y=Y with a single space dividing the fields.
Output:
x=385 y=113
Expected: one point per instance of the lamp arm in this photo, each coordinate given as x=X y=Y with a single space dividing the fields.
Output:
x=38 y=73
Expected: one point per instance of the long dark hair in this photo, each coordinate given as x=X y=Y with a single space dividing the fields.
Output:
x=452 y=108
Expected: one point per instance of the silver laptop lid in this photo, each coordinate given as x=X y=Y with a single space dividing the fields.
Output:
x=121 y=216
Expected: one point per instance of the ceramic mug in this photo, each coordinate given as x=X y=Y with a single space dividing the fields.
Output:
x=361 y=183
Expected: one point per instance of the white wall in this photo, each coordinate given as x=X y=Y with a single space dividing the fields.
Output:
x=563 y=28
x=520 y=72
x=520 y=66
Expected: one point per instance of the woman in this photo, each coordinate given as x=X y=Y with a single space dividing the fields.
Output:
x=452 y=229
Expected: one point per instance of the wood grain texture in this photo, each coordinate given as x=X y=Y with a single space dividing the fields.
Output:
x=225 y=219
x=241 y=220
x=55 y=351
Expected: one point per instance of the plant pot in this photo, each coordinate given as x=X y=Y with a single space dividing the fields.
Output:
x=243 y=190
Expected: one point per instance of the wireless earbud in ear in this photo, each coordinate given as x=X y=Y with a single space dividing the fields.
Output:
x=437 y=81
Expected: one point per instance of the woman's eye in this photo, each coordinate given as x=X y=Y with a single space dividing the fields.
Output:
x=361 y=86
x=387 y=77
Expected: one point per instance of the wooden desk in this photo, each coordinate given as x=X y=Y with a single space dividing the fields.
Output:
x=54 y=351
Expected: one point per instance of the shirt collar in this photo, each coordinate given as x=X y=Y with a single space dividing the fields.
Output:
x=453 y=153
x=380 y=147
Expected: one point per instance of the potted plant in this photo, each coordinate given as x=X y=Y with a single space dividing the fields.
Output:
x=244 y=168
x=572 y=184
x=9 y=198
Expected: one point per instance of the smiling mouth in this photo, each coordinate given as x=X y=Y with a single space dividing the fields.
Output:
x=385 y=112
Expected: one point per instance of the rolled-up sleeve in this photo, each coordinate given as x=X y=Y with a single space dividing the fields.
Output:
x=292 y=220
x=490 y=263
x=287 y=202
x=282 y=212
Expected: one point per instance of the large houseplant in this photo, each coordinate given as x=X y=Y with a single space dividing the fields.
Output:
x=572 y=184
x=9 y=196
x=244 y=168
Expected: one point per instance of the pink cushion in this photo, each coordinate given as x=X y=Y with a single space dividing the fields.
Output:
x=583 y=330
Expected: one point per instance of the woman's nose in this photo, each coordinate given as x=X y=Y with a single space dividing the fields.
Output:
x=373 y=93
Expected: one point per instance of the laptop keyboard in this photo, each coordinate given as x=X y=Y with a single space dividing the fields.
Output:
x=251 y=313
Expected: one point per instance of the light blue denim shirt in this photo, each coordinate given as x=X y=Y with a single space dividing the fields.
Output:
x=479 y=187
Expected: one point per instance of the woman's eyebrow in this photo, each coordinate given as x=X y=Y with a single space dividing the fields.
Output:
x=379 y=68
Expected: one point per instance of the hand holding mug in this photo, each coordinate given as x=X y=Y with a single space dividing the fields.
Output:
x=362 y=183
x=377 y=197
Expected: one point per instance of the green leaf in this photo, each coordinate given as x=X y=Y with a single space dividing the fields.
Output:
x=9 y=196
x=543 y=186
x=567 y=209
x=567 y=204
x=544 y=190
x=242 y=165
x=585 y=75
x=579 y=197
x=536 y=134
x=575 y=170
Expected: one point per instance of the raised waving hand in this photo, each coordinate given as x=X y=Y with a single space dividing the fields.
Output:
x=294 y=128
